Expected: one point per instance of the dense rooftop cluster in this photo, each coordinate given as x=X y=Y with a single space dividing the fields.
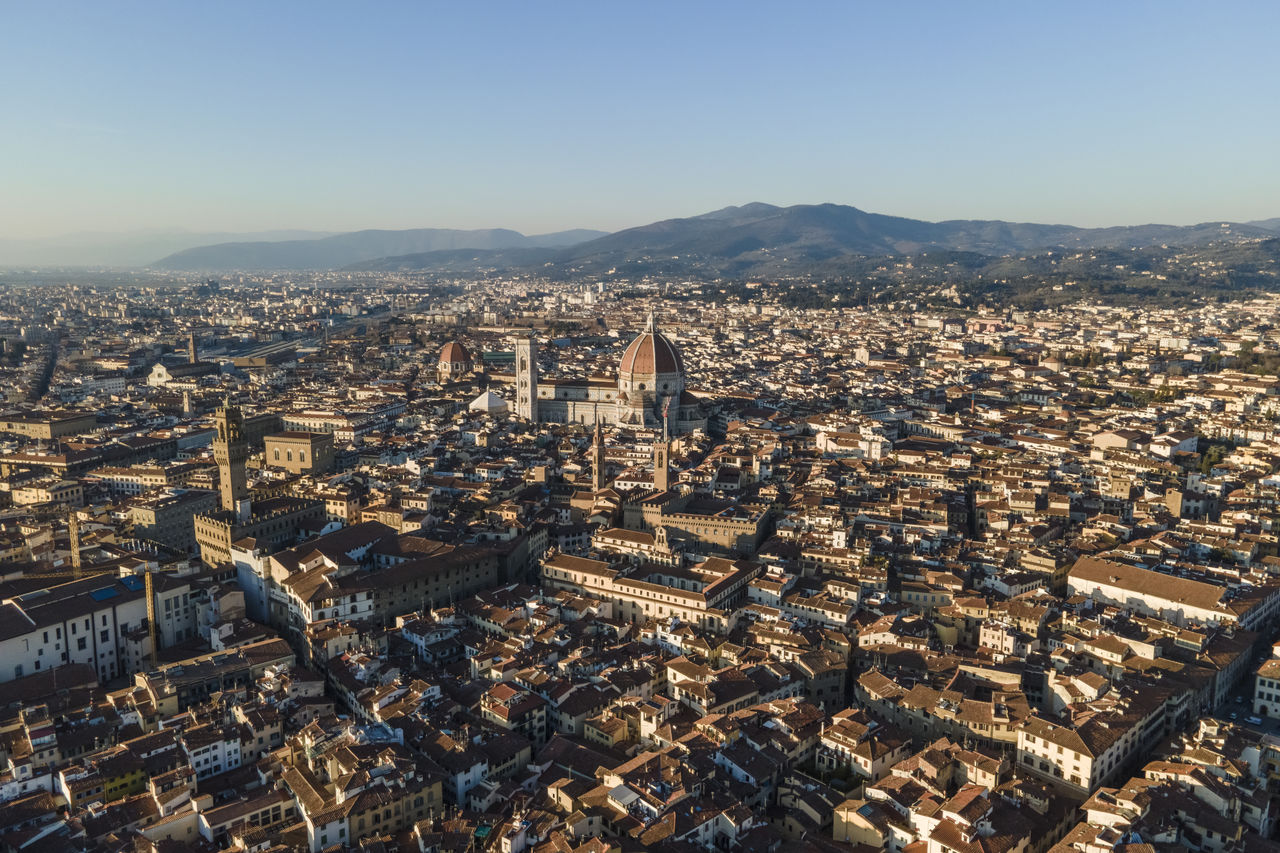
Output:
x=284 y=566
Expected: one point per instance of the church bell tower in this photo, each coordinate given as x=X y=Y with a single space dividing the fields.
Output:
x=527 y=378
x=597 y=460
x=661 y=464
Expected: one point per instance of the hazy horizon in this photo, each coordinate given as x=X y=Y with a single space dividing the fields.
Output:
x=307 y=232
x=241 y=118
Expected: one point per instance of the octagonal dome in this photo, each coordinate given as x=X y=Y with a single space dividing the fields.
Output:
x=454 y=353
x=651 y=353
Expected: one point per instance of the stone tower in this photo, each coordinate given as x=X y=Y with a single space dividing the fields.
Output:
x=191 y=348
x=661 y=465
x=231 y=451
x=597 y=460
x=73 y=534
x=526 y=378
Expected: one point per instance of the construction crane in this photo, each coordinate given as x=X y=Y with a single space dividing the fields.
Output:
x=148 y=587
x=78 y=573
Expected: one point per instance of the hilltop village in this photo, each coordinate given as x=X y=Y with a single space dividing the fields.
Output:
x=341 y=562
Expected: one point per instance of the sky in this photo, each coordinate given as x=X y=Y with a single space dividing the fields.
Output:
x=541 y=116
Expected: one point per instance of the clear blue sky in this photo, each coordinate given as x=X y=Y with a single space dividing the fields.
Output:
x=543 y=115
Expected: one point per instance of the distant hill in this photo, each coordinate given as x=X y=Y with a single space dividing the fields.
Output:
x=750 y=240
x=341 y=250
x=763 y=238
x=125 y=249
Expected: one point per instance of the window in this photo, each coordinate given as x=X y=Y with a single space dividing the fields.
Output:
x=80 y=644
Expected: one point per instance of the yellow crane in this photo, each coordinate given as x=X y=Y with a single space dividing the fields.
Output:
x=148 y=590
x=78 y=572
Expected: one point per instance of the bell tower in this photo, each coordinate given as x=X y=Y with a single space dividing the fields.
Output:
x=661 y=465
x=231 y=451
x=597 y=460
x=527 y=378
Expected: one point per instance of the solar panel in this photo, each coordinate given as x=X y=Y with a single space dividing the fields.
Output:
x=132 y=583
x=104 y=593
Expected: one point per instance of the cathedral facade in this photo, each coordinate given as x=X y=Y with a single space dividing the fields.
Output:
x=647 y=393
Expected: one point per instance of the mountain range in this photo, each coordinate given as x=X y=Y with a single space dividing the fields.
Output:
x=762 y=239
x=342 y=250
x=752 y=239
x=124 y=249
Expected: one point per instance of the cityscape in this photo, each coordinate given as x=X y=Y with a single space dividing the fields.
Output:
x=304 y=561
x=448 y=429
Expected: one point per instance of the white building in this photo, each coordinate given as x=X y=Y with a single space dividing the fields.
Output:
x=1176 y=599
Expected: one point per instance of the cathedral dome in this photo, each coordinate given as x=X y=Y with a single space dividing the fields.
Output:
x=455 y=361
x=651 y=353
x=454 y=353
x=650 y=377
